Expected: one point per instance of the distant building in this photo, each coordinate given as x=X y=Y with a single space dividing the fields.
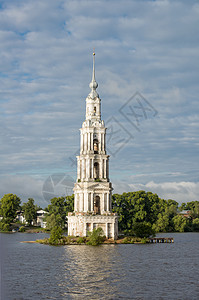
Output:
x=185 y=213
x=20 y=217
x=39 y=221
x=40 y=218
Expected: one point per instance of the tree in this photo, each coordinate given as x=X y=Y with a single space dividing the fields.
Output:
x=53 y=220
x=180 y=223
x=9 y=205
x=195 y=224
x=55 y=235
x=162 y=223
x=58 y=210
x=30 y=211
x=143 y=230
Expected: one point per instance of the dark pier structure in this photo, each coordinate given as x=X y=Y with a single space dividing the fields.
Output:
x=161 y=240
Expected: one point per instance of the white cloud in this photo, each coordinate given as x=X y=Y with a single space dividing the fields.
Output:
x=178 y=191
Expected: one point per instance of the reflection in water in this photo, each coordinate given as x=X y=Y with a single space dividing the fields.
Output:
x=92 y=271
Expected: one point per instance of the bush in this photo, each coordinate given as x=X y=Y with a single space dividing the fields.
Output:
x=55 y=236
x=4 y=226
x=96 y=237
x=143 y=230
x=81 y=240
x=22 y=229
x=195 y=223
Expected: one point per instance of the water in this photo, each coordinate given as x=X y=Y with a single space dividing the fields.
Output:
x=154 y=271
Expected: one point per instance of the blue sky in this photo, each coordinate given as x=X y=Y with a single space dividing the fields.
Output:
x=147 y=55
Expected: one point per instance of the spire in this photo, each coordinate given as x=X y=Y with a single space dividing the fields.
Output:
x=93 y=85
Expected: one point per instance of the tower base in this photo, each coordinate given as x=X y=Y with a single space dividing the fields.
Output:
x=79 y=224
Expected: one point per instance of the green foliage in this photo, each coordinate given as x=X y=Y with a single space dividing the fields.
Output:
x=9 y=205
x=81 y=240
x=143 y=207
x=55 y=236
x=97 y=180
x=30 y=211
x=4 y=226
x=143 y=230
x=58 y=210
x=22 y=229
x=132 y=240
x=192 y=205
x=195 y=224
x=96 y=237
x=162 y=223
x=180 y=223
x=53 y=220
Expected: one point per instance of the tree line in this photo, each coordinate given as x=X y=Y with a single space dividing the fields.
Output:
x=138 y=212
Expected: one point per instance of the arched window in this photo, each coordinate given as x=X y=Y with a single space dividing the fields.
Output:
x=95 y=146
x=97 y=205
x=96 y=170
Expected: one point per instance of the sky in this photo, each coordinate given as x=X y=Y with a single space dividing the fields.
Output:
x=147 y=69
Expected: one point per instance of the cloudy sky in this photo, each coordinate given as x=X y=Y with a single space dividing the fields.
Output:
x=147 y=55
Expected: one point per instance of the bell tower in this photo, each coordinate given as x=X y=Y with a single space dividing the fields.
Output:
x=93 y=189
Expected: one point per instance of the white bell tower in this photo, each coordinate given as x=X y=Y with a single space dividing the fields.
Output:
x=93 y=189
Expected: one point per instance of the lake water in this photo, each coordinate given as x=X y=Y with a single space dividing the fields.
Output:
x=150 y=271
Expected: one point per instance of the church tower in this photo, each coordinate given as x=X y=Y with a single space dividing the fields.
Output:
x=93 y=189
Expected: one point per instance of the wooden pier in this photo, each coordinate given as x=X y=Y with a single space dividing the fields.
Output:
x=161 y=240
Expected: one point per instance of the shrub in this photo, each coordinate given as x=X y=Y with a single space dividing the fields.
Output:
x=22 y=229
x=143 y=230
x=55 y=236
x=4 y=226
x=81 y=240
x=96 y=237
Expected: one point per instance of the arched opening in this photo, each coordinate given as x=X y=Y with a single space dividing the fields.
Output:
x=96 y=170
x=95 y=146
x=97 y=205
x=94 y=110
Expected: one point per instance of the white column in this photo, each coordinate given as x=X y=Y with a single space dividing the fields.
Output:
x=86 y=202
x=100 y=169
x=88 y=168
x=82 y=168
x=106 y=233
x=85 y=142
x=104 y=142
x=82 y=142
x=81 y=202
x=102 y=137
x=91 y=201
x=89 y=141
x=100 y=142
x=107 y=196
x=92 y=167
x=102 y=202
x=76 y=202
x=104 y=168
x=78 y=169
